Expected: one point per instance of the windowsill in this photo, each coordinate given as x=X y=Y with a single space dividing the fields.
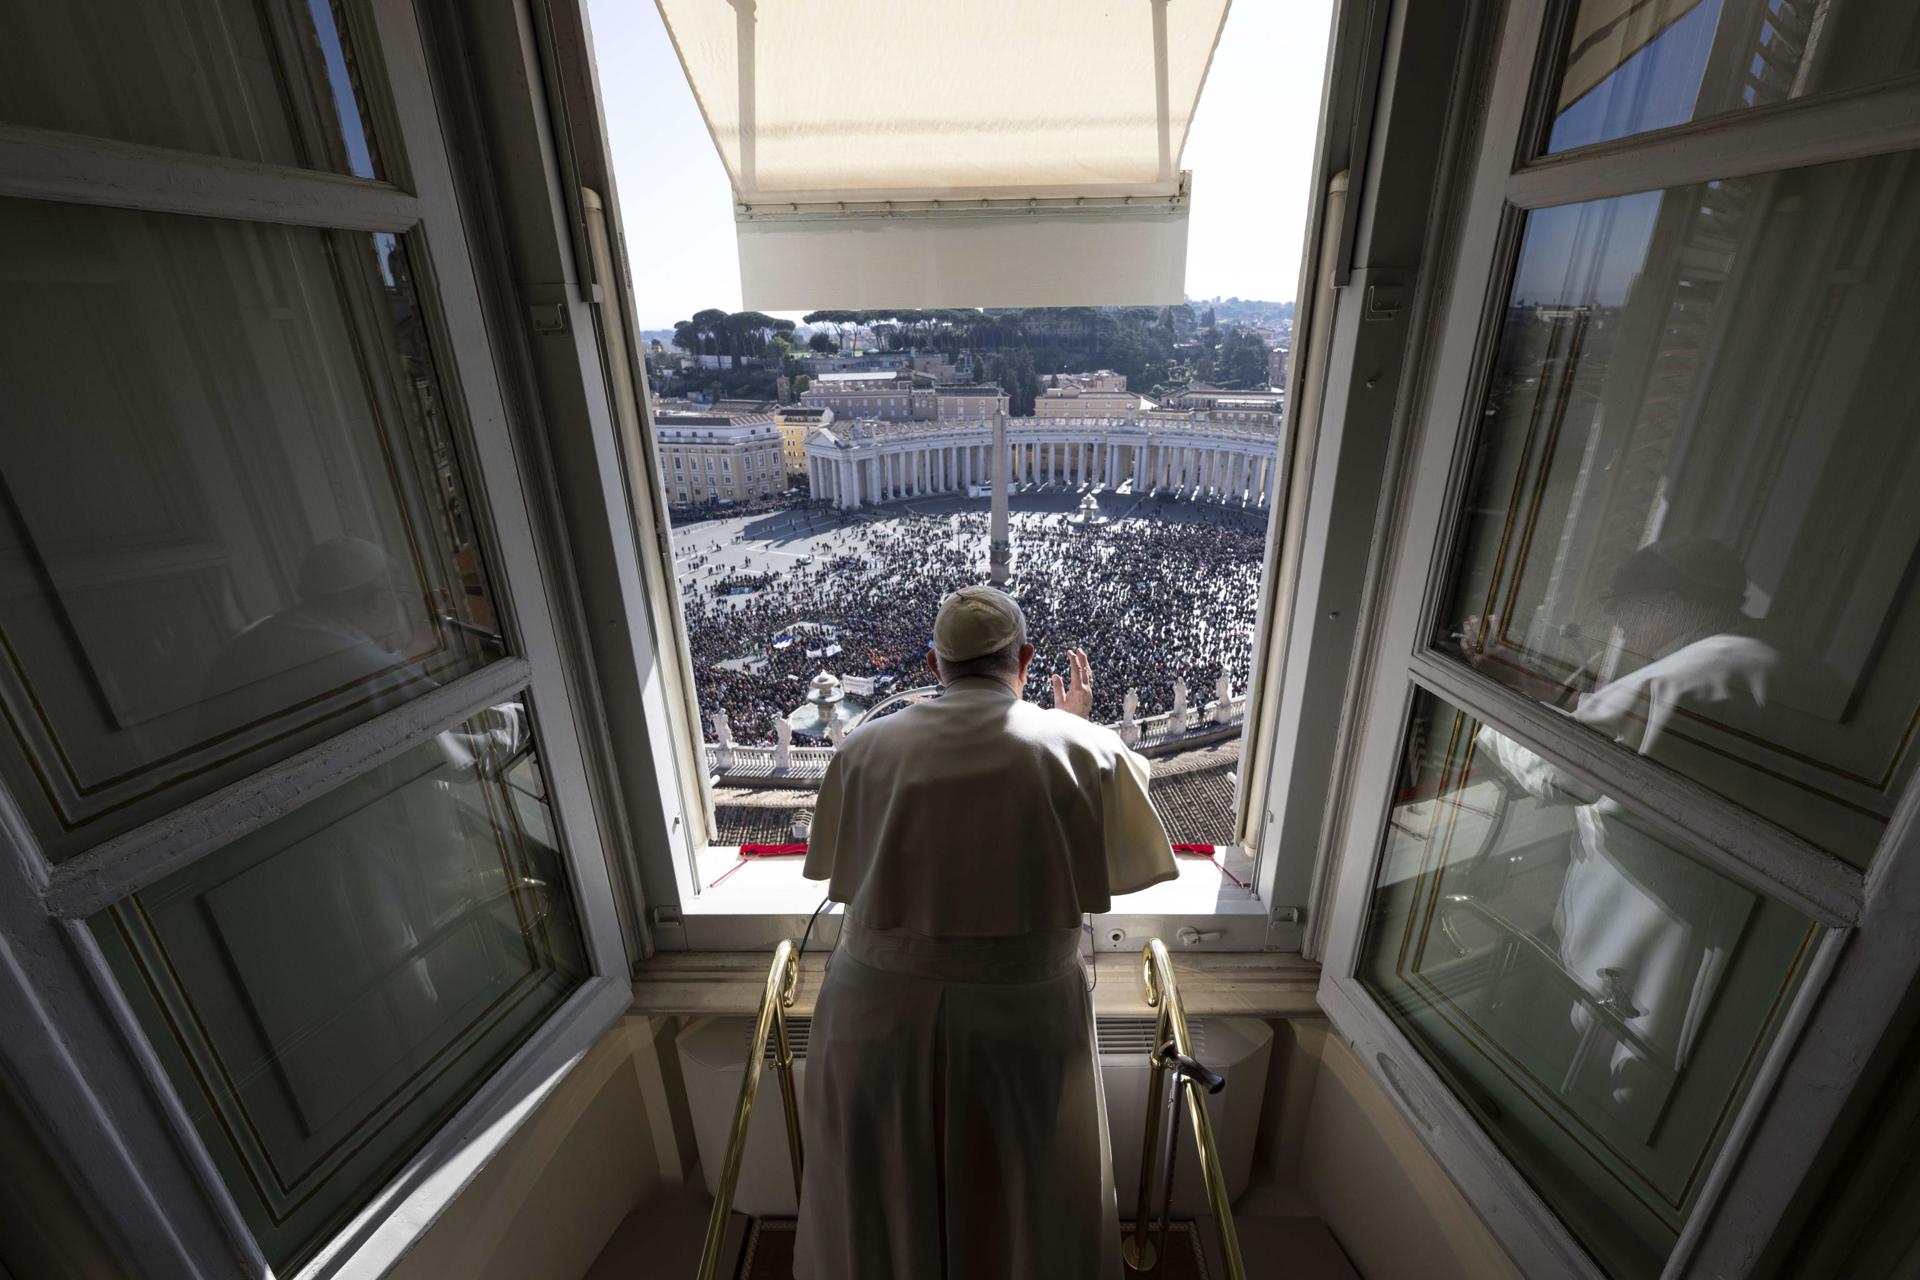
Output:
x=732 y=885
x=1218 y=984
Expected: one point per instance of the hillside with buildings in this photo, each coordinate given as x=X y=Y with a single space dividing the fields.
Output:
x=1234 y=344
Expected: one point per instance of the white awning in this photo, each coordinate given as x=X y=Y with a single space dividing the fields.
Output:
x=930 y=143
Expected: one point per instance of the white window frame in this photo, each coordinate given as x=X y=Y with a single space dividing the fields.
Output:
x=1274 y=914
x=81 y=1063
x=1868 y=954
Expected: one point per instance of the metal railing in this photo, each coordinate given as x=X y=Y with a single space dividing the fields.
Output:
x=783 y=984
x=1149 y=733
x=1171 y=1026
x=1170 y=1030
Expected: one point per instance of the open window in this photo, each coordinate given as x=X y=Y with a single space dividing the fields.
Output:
x=1630 y=821
x=302 y=889
x=827 y=464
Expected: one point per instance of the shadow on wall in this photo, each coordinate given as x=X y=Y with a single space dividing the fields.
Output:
x=1333 y=1146
x=545 y=1205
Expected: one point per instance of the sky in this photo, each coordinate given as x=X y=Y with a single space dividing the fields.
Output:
x=1250 y=151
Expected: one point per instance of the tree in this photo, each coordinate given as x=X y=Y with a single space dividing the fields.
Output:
x=1020 y=381
x=711 y=325
x=823 y=342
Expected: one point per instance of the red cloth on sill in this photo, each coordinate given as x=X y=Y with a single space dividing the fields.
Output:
x=1209 y=852
x=760 y=851
x=1206 y=851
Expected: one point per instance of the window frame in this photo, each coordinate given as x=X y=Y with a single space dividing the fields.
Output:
x=1867 y=957
x=85 y=1071
x=1273 y=916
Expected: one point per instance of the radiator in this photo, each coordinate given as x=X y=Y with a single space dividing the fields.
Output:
x=712 y=1060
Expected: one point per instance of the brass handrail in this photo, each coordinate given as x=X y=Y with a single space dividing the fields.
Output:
x=783 y=984
x=1164 y=994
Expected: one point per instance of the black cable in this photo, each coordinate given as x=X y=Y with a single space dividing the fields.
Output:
x=1093 y=956
x=809 y=933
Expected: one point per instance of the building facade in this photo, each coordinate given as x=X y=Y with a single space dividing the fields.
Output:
x=1195 y=455
x=796 y=422
x=1090 y=402
x=956 y=402
x=888 y=395
x=717 y=457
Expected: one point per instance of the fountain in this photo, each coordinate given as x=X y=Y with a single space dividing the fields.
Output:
x=828 y=706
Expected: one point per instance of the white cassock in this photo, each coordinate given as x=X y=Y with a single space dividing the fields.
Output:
x=953 y=1117
x=1635 y=920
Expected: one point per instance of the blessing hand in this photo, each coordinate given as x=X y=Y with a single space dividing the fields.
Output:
x=1077 y=697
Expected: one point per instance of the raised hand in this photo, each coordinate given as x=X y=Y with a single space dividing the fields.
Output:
x=1076 y=697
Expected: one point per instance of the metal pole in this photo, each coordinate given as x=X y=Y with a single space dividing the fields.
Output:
x=1137 y=1250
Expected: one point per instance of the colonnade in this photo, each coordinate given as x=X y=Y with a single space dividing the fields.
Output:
x=1239 y=468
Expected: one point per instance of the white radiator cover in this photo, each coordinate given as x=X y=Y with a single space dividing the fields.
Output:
x=712 y=1060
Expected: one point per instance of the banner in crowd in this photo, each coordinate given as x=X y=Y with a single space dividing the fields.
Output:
x=862 y=685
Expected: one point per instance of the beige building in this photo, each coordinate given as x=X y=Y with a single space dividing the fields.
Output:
x=962 y=401
x=1098 y=380
x=1080 y=402
x=795 y=421
x=889 y=395
x=719 y=457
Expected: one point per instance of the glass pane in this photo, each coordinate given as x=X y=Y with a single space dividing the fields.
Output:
x=1597 y=998
x=275 y=81
x=231 y=523
x=1634 y=65
x=328 y=990
x=1690 y=523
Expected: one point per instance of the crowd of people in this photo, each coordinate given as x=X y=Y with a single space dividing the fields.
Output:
x=1151 y=600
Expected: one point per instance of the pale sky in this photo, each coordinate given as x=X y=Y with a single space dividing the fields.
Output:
x=1249 y=150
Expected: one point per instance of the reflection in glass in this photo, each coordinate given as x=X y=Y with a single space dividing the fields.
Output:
x=276 y=81
x=1634 y=65
x=1690 y=522
x=326 y=991
x=1596 y=997
x=231 y=521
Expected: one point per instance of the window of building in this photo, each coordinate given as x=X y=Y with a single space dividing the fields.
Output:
x=298 y=841
x=1625 y=840
x=1180 y=515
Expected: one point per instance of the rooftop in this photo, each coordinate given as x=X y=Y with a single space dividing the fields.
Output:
x=1192 y=789
x=862 y=375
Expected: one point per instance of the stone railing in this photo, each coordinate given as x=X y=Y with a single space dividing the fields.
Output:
x=1156 y=734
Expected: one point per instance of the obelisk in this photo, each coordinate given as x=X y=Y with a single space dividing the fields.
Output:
x=1000 y=552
